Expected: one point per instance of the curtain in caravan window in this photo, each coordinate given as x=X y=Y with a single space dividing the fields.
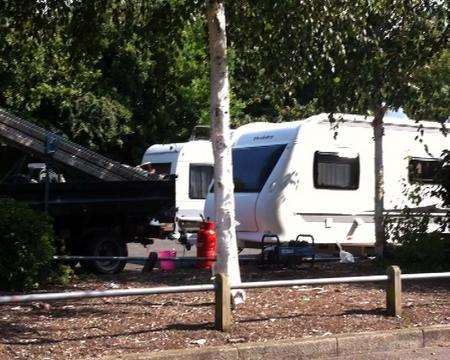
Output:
x=334 y=172
x=200 y=177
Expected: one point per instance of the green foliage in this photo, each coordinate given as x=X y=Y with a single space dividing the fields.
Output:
x=26 y=246
x=444 y=191
x=115 y=75
x=60 y=274
x=344 y=56
x=431 y=90
x=416 y=249
x=106 y=74
x=424 y=253
x=419 y=239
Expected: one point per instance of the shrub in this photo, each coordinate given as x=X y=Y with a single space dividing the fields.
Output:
x=60 y=274
x=26 y=246
x=417 y=249
x=429 y=252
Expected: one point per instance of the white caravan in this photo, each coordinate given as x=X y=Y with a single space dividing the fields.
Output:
x=192 y=162
x=297 y=177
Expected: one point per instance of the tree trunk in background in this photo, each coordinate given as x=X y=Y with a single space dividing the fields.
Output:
x=378 y=132
x=227 y=254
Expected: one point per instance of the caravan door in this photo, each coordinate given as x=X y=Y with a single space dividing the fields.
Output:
x=251 y=168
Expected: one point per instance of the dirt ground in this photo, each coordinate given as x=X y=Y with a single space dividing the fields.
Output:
x=99 y=327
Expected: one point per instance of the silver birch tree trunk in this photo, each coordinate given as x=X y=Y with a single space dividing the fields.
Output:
x=378 y=132
x=227 y=254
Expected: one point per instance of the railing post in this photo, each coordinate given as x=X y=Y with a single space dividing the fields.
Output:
x=394 y=291
x=223 y=303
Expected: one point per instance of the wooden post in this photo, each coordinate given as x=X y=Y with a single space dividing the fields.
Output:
x=223 y=303
x=394 y=291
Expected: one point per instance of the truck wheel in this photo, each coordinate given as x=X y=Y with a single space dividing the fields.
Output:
x=106 y=246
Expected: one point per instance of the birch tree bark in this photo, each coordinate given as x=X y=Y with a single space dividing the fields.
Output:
x=227 y=254
x=378 y=132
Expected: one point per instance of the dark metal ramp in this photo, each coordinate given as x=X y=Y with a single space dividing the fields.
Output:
x=33 y=139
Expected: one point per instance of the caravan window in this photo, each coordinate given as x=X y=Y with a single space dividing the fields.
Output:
x=200 y=177
x=332 y=171
x=423 y=170
x=253 y=165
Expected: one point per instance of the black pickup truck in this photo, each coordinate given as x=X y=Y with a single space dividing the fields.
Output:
x=100 y=218
x=102 y=204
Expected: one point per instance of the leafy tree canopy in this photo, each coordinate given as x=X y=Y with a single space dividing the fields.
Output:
x=105 y=73
x=430 y=98
x=337 y=55
x=116 y=75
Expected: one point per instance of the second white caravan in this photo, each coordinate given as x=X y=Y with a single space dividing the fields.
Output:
x=298 y=177
x=192 y=162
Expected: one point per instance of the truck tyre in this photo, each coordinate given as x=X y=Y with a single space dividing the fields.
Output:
x=105 y=245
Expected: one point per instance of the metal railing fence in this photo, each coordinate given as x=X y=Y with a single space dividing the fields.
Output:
x=130 y=258
x=105 y=293
x=222 y=290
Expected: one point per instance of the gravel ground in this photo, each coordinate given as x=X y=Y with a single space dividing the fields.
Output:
x=99 y=327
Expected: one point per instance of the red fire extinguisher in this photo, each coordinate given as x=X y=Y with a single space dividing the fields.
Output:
x=206 y=244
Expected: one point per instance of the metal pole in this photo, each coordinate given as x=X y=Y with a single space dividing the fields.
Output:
x=140 y=258
x=285 y=283
x=425 y=276
x=46 y=186
x=105 y=293
x=50 y=141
